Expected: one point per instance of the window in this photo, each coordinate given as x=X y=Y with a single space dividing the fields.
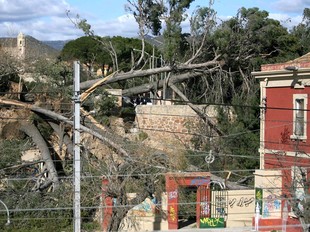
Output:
x=300 y=116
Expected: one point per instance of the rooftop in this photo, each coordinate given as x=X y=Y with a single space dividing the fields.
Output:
x=300 y=62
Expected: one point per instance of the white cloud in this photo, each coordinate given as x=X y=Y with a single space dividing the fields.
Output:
x=295 y=6
x=287 y=20
x=42 y=19
x=47 y=20
x=124 y=25
x=19 y=10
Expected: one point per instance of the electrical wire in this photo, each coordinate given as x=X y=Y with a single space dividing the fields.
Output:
x=252 y=106
x=198 y=103
x=118 y=206
x=137 y=175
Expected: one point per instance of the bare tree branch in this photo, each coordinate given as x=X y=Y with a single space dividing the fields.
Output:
x=59 y=117
x=33 y=132
x=146 y=73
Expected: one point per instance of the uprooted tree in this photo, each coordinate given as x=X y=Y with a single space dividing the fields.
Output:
x=204 y=66
x=129 y=164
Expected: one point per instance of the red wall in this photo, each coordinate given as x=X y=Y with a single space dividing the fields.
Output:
x=279 y=119
x=280 y=162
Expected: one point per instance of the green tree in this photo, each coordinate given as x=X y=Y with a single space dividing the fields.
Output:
x=302 y=32
x=93 y=55
x=87 y=50
x=251 y=38
x=173 y=17
x=245 y=42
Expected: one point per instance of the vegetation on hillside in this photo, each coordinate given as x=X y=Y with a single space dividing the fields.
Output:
x=211 y=65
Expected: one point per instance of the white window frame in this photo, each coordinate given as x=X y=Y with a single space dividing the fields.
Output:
x=303 y=97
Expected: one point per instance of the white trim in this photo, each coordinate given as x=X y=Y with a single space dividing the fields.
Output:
x=282 y=74
x=284 y=78
x=263 y=85
x=287 y=153
x=295 y=107
x=293 y=82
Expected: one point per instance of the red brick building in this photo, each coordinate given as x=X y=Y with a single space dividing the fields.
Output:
x=281 y=181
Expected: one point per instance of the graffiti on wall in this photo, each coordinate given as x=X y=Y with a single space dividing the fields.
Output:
x=145 y=208
x=204 y=206
x=172 y=213
x=242 y=202
x=212 y=223
x=200 y=181
x=173 y=194
x=272 y=204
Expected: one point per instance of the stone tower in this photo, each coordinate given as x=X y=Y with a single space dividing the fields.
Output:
x=21 y=45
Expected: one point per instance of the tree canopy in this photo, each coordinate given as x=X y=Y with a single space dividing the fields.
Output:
x=210 y=65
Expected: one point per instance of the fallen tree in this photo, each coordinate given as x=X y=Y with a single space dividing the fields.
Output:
x=59 y=117
x=177 y=69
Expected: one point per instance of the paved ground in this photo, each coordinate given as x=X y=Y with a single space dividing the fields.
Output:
x=192 y=228
x=243 y=229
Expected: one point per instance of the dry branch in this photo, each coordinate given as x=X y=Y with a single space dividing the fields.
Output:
x=174 y=79
x=93 y=87
x=59 y=117
x=32 y=131
x=146 y=73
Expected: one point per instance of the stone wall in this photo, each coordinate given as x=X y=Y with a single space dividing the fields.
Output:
x=169 y=125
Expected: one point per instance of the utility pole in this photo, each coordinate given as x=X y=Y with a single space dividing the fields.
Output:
x=77 y=156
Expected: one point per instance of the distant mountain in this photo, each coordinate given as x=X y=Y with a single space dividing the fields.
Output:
x=157 y=41
x=56 y=44
x=59 y=44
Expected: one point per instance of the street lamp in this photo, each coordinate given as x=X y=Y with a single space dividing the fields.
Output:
x=8 y=213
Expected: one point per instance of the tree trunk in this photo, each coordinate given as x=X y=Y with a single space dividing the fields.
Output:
x=154 y=71
x=33 y=132
x=61 y=118
x=64 y=137
x=145 y=88
x=174 y=79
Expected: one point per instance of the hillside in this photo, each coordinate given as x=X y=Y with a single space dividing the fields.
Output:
x=56 y=44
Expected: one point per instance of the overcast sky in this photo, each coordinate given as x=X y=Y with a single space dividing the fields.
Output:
x=47 y=20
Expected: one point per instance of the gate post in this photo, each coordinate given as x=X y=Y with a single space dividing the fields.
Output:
x=172 y=192
x=107 y=205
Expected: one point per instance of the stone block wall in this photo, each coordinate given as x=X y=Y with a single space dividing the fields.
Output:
x=169 y=125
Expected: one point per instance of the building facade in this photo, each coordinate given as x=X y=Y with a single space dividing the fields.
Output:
x=282 y=182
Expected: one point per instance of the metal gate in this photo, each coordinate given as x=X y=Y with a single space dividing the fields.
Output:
x=213 y=207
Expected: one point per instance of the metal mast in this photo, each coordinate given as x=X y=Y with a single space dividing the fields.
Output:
x=77 y=160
